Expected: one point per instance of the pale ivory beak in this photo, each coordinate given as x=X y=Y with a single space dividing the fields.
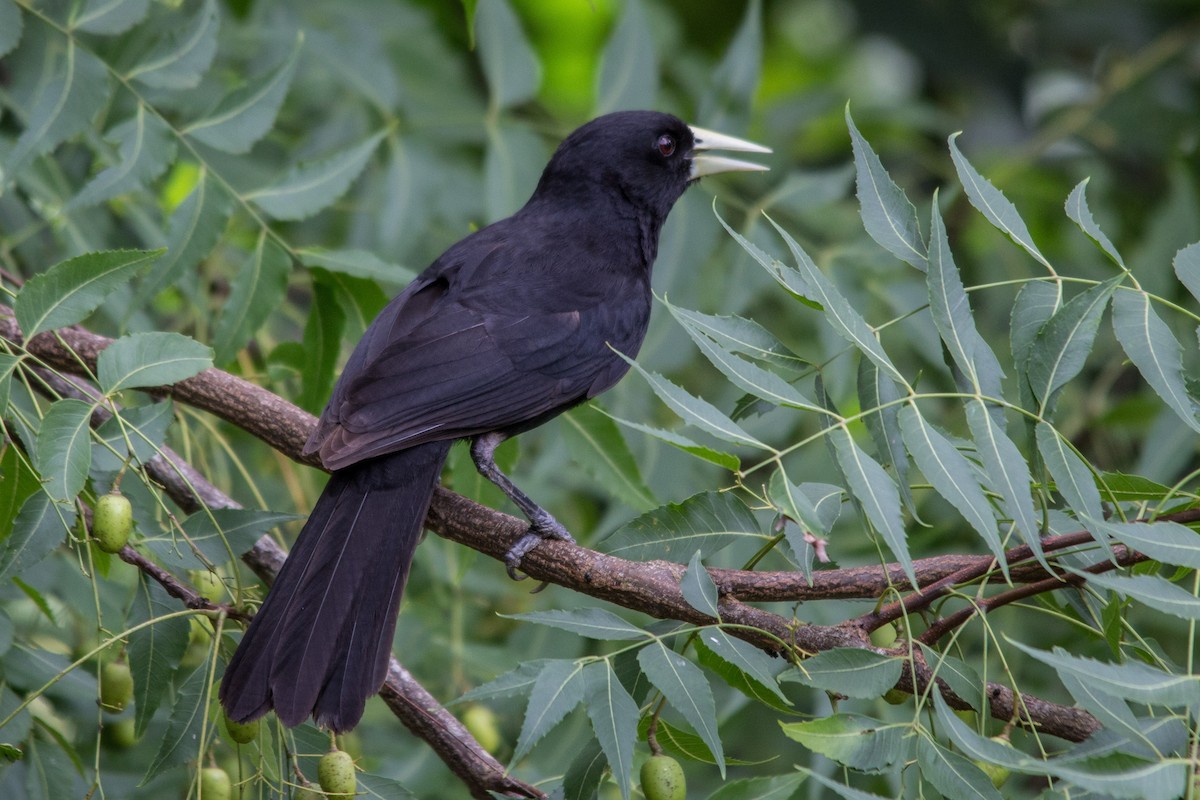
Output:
x=705 y=164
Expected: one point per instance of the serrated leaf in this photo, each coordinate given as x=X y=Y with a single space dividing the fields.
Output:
x=951 y=774
x=1162 y=540
x=39 y=527
x=1007 y=473
x=1112 y=712
x=8 y=366
x=740 y=335
x=322 y=346
x=628 y=75
x=1123 y=776
x=774 y=787
x=614 y=718
x=721 y=459
x=707 y=522
x=1063 y=343
x=992 y=203
x=183 y=727
x=1072 y=478
x=746 y=659
x=840 y=315
x=70 y=290
x=11 y=25
x=558 y=689
x=109 y=17
x=1155 y=351
x=698 y=588
x=845 y=792
x=219 y=534
x=141 y=429
x=887 y=214
x=156 y=358
x=876 y=493
x=516 y=681
x=256 y=292
x=960 y=676
x=247 y=113
x=951 y=312
x=951 y=476
x=146 y=146
x=312 y=186
x=509 y=63
x=378 y=787
x=1081 y=215
x=858 y=742
x=1035 y=305
x=182 y=56
x=686 y=689
x=1132 y=680
x=64 y=448
x=788 y=278
x=877 y=396
x=596 y=444
x=154 y=651
x=72 y=91
x=1187 y=268
x=584 y=774
x=594 y=623
x=1153 y=590
x=356 y=263
x=851 y=671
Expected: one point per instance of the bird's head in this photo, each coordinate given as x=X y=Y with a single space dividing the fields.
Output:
x=650 y=158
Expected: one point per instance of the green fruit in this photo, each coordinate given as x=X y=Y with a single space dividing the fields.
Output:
x=662 y=779
x=112 y=522
x=122 y=734
x=116 y=686
x=241 y=732
x=480 y=722
x=968 y=716
x=305 y=793
x=996 y=773
x=208 y=584
x=884 y=635
x=895 y=697
x=335 y=773
x=215 y=784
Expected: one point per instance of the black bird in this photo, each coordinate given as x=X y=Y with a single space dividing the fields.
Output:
x=511 y=326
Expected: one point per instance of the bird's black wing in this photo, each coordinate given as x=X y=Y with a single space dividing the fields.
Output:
x=475 y=345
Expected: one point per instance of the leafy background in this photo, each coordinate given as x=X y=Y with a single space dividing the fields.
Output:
x=274 y=171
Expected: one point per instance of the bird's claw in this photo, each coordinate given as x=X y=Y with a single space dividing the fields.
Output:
x=542 y=527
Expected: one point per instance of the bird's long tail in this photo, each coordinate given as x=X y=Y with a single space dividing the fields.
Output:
x=320 y=642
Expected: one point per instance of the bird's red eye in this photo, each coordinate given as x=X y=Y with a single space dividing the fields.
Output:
x=666 y=144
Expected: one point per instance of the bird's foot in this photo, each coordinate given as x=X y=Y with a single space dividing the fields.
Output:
x=542 y=526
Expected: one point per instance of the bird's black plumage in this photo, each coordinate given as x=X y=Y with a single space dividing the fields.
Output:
x=514 y=324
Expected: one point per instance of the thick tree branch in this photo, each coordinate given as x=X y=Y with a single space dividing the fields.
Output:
x=651 y=587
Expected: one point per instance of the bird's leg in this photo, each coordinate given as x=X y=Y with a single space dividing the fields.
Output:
x=542 y=525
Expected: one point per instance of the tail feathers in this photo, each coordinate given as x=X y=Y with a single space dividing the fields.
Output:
x=319 y=644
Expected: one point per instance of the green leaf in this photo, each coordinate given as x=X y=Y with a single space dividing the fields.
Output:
x=146 y=147
x=1187 y=268
x=219 y=534
x=154 y=652
x=850 y=671
x=1007 y=473
x=1072 y=478
x=887 y=214
x=951 y=476
x=183 y=727
x=141 y=429
x=846 y=792
x=519 y=680
x=876 y=493
x=70 y=290
x=73 y=89
x=614 y=718
x=1125 y=777
x=628 y=75
x=247 y=113
x=510 y=167
x=1153 y=590
x=951 y=774
x=696 y=411
x=1112 y=712
x=594 y=623
x=1035 y=305
x=357 y=263
x=109 y=17
x=256 y=292
x=686 y=688
x=8 y=366
x=840 y=315
x=557 y=690
x=313 y=186
x=1081 y=215
x=1132 y=680
x=707 y=522
x=38 y=528
x=748 y=661
x=155 y=358
x=735 y=80
x=775 y=787
x=378 y=787
x=1162 y=540
x=858 y=742
x=721 y=459
x=322 y=345
x=960 y=676
x=181 y=57
x=1062 y=345
x=1155 y=351
x=992 y=203
x=877 y=396
x=698 y=588
x=596 y=444
x=951 y=311
x=64 y=448
x=740 y=335
x=509 y=63
x=583 y=776
x=788 y=278
x=11 y=25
